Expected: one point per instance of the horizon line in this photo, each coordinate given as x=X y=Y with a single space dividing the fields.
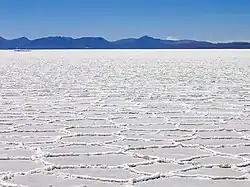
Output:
x=138 y=37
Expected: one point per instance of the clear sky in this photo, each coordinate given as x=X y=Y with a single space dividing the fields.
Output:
x=213 y=20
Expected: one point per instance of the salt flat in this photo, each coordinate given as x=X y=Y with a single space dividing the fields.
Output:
x=125 y=118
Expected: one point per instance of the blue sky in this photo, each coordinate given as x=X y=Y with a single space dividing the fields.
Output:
x=213 y=20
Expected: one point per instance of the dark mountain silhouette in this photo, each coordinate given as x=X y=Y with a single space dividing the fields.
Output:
x=23 y=41
x=144 y=42
x=93 y=43
x=50 y=43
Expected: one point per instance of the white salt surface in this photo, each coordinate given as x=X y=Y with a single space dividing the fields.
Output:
x=125 y=118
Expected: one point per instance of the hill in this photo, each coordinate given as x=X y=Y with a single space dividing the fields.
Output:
x=145 y=42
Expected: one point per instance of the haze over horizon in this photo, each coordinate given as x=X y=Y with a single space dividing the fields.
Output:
x=213 y=20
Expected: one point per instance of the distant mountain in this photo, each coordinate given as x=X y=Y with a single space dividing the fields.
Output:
x=144 y=42
x=92 y=43
x=49 y=43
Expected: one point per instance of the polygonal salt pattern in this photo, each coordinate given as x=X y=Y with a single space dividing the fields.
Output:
x=178 y=182
x=38 y=180
x=125 y=118
x=17 y=165
x=75 y=159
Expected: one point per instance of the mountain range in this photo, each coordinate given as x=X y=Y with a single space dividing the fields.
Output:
x=145 y=42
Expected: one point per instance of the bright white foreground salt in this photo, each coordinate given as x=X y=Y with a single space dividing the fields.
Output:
x=121 y=118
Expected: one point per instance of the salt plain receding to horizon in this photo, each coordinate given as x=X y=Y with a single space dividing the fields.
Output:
x=112 y=118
